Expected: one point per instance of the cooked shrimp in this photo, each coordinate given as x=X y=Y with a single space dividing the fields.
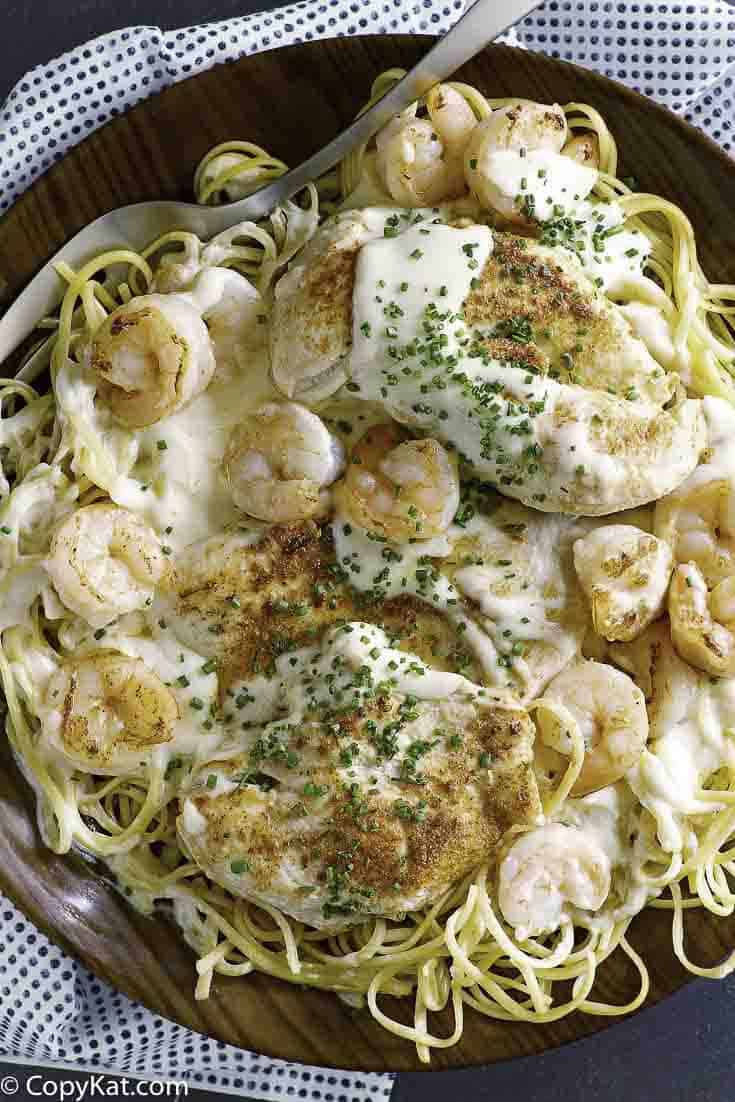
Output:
x=585 y=149
x=420 y=160
x=702 y=621
x=402 y=489
x=105 y=561
x=625 y=573
x=548 y=873
x=232 y=309
x=610 y=711
x=526 y=126
x=150 y=357
x=106 y=711
x=514 y=165
x=279 y=462
x=669 y=684
x=698 y=522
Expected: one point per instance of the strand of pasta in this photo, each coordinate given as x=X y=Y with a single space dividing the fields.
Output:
x=245 y=162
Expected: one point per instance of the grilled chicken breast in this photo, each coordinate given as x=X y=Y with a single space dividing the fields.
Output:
x=377 y=783
x=364 y=766
x=495 y=344
x=246 y=601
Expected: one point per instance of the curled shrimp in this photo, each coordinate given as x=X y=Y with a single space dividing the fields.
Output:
x=105 y=561
x=279 y=462
x=150 y=357
x=625 y=574
x=517 y=163
x=420 y=160
x=584 y=149
x=610 y=711
x=106 y=711
x=548 y=872
x=703 y=621
x=698 y=521
x=402 y=489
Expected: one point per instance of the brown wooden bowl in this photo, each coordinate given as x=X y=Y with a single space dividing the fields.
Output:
x=292 y=101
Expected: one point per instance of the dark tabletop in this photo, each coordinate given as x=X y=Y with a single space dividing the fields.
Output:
x=682 y=1050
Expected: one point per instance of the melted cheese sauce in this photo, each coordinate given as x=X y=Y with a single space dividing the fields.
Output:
x=538 y=180
x=177 y=482
x=719 y=461
x=522 y=585
x=522 y=421
x=670 y=776
x=191 y=679
x=611 y=255
x=648 y=323
x=396 y=277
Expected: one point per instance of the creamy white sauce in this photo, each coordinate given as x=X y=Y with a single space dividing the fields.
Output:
x=409 y=570
x=396 y=277
x=540 y=182
x=358 y=645
x=720 y=463
x=170 y=473
x=21 y=435
x=529 y=603
x=697 y=742
x=594 y=230
x=177 y=484
x=101 y=449
x=192 y=681
x=197 y=731
x=391 y=567
x=649 y=324
x=530 y=616
x=413 y=352
x=193 y=820
x=27 y=519
x=32 y=661
x=19 y=588
x=611 y=255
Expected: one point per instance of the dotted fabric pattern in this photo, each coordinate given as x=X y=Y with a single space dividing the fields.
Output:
x=674 y=53
x=53 y=1011
x=683 y=55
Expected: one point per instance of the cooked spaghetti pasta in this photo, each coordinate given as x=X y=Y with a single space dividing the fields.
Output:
x=463 y=947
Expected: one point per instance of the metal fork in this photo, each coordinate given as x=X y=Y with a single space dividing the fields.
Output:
x=134 y=226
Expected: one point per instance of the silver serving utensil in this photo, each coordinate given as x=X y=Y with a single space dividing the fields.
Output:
x=134 y=226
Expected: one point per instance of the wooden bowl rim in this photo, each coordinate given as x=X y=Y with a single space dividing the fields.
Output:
x=55 y=932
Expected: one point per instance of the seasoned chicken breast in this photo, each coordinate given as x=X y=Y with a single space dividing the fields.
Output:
x=496 y=345
x=377 y=784
x=549 y=310
x=503 y=606
x=244 y=600
x=311 y=325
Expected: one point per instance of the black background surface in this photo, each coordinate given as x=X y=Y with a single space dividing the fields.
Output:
x=682 y=1050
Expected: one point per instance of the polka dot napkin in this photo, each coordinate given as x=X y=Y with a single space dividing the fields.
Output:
x=683 y=55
